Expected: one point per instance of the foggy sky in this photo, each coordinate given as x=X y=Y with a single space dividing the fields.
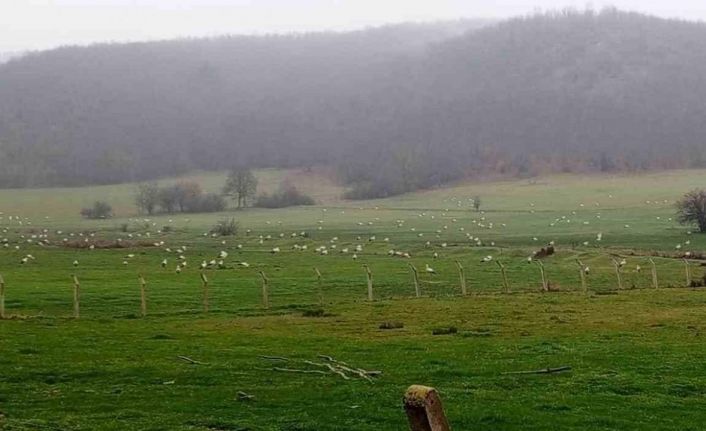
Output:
x=40 y=24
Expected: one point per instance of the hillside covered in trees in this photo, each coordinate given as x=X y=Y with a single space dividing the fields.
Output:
x=394 y=108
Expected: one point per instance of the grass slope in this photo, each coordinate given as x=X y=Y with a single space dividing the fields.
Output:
x=635 y=353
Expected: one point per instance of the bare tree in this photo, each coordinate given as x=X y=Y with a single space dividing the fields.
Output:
x=691 y=209
x=147 y=197
x=241 y=184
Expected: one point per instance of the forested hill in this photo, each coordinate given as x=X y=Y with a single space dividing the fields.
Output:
x=396 y=108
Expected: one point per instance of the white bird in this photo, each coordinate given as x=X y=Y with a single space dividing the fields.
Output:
x=244 y=264
x=429 y=270
x=75 y=262
x=164 y=263
x=275 y=250
x=487 y=259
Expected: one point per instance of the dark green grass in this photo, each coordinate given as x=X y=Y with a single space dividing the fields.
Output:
x=635 y=359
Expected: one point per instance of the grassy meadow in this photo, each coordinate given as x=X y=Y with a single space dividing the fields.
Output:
x=635 y=353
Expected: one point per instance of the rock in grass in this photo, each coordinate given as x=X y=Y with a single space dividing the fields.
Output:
x=316 y=312
x=481 y=333
x=391 y=325
x=444 y=331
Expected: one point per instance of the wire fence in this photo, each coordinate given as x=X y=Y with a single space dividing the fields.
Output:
x=276 y=289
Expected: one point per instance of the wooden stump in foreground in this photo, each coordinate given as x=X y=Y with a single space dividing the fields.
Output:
x=424 y=410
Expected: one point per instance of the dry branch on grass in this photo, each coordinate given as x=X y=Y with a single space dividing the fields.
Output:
x=330 y=366
x=191 y=361
x=542 y=371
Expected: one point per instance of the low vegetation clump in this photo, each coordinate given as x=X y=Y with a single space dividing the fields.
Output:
x=226 y=227
x=99 y=210
x=287 y=196
x=445 y=331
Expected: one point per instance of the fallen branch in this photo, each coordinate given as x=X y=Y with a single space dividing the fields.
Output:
x=242 y=396
x=191 y=361
x=331 y=366
x=274 y=358
x=542 y=371
x=292 y=370
x=365 y=374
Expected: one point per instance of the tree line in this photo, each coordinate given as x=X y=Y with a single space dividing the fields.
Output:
x=187 y=196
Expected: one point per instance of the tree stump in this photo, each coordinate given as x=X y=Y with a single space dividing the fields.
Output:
x=424 y=410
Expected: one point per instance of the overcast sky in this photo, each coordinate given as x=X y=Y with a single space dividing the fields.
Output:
x=39 y=24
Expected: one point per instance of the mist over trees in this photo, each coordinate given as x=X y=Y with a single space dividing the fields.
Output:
x=394 y=109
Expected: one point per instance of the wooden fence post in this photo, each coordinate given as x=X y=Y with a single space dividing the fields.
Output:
x=688 y=273
x=77 y=297
x=545 y=285
x=617 y=273
x=655 y=282
x=143 y=297
x=2 y=297
x=504 y=274
x=415 y=277
x=582 y=274
x=369 y=274
x=204 y=291
x=462 y=277
x=424 y=410
x=265 y=293
x=320 y=286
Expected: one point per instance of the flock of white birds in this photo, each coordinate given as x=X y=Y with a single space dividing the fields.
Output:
x=19 y=233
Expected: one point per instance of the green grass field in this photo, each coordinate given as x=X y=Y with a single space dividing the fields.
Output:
x=635 y=353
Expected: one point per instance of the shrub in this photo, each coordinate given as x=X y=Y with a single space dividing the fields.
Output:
x=99 y=210
x=226 y=227
x=206 y=203
x=185 y=196
x=287 y=196
x=691 y=209
x=372 y=190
